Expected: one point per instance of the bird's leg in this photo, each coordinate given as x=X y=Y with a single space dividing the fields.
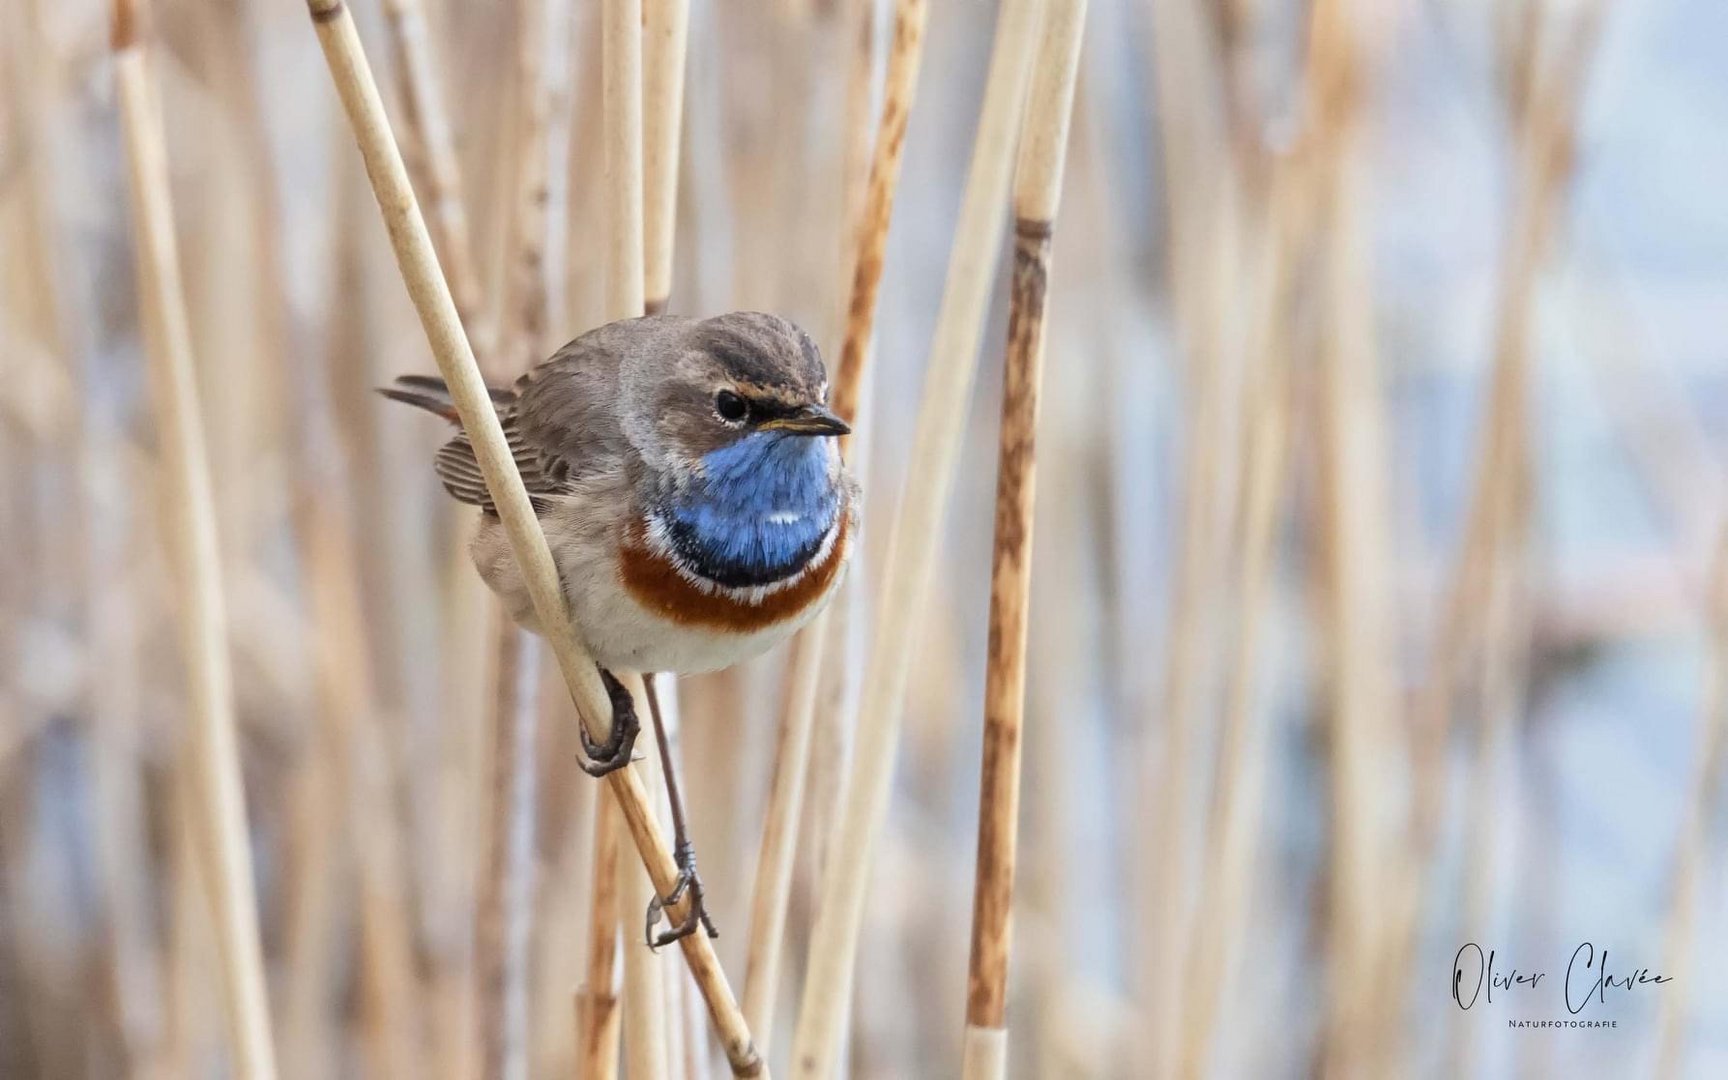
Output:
x=689 y=882
x=614 y=753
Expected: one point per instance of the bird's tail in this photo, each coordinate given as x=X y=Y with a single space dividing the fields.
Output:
x=432 y=393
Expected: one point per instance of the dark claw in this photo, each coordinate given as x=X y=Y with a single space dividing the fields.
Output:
x=688 y=882
x=614 y=753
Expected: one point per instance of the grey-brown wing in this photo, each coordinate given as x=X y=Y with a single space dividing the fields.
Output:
x=561 y=416
x=566 y=409
x=459 y=469
x=455 y=462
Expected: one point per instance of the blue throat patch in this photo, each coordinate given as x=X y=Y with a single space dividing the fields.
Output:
x=759 y=511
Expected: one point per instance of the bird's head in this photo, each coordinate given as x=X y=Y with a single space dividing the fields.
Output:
x=740 y=387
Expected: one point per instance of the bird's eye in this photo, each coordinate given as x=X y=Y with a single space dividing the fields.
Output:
x=730 y=406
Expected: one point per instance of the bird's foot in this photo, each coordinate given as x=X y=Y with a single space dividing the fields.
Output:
x=689 y=885
x=614 y=753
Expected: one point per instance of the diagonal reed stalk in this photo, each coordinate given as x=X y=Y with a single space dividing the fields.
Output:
x=1037 y=194
x=419 y=266
x=911 y=546
x=212 y=757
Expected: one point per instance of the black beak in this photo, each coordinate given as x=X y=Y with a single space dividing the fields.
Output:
x=809 y=420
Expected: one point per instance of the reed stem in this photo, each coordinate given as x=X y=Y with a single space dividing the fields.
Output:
x=598 y=1016
x=901 y=87
x=212 y=756
x=646 y=1021
x=1037 y=194
x=1366 y=857
x=1232 y=837
x=665 y=35
x=808 y=666
x=439 y=177
x=1203 y=204
x=1692 y=847
x=504 y=916
x=503 y=913
x=953 y=357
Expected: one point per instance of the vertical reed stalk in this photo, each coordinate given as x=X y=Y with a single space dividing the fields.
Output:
x=438 y=176
x=110 y=606
x=665 y=34
x=503 y=912
x=665 y=37
x=1356 y=569
x=597 y=1010
x=621 y=101
x=621 y=92
x=1481 y=616
x=350 y=746
x=1233 y=828
x=212 y=757
x=348 y=773
x=1545 y=130
x=1202 y=204
x=904 y=59
x=505 y=915
x=772 y=890
x=438 y=180
x=912 y=546
x=679 y=1032
x=646 y=1021
x=426 y=287
x=1037 y=193
x=1692 y=847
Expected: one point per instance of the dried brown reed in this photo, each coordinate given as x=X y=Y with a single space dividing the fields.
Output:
x=1037 y=194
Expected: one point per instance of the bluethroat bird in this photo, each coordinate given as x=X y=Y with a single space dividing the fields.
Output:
x=697 y=508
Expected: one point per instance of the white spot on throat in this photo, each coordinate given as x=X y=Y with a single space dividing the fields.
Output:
x=785 y=517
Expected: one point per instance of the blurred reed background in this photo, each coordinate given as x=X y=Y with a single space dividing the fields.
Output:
x=1377 y=598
